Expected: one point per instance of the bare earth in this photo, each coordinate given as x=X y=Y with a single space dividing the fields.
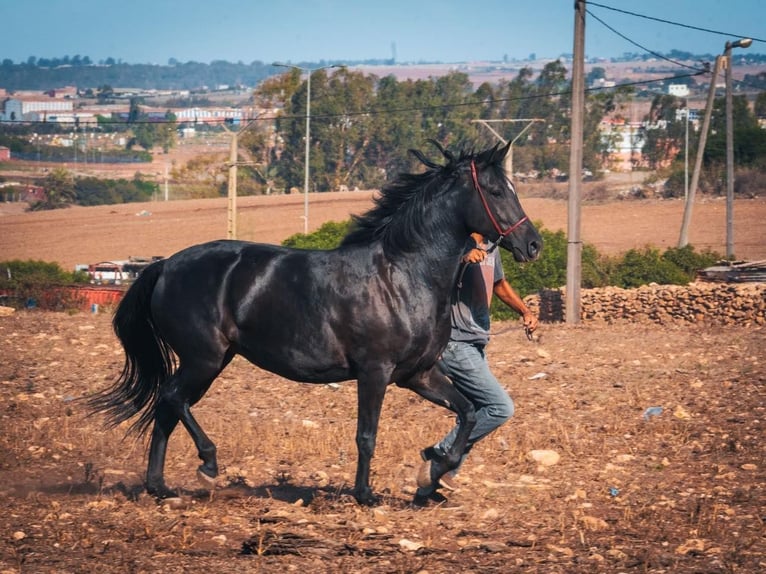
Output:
x=681 y=492
x=114 y=232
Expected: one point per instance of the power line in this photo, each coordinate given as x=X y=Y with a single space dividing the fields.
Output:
x=681 y=25
x=624 y=37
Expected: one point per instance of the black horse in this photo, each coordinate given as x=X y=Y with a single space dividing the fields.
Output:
x=376 y=309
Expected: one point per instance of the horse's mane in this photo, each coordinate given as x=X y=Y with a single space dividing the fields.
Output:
x=401 y=209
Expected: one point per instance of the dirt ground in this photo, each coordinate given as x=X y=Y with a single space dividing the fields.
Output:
x=83 y=235
x=680 y=492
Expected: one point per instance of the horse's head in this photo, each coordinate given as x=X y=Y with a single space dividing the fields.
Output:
x=496 y=212
x=494 y=209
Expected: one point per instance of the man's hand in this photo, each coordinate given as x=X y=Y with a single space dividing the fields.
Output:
x=475 y=255
x=530 y=321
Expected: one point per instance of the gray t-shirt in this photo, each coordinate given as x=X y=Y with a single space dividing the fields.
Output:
x=471 y=298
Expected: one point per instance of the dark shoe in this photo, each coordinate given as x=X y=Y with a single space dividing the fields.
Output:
x=425 y=500
x=434 y=500
x=429 y=454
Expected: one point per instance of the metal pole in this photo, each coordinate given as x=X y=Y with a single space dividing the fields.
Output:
x=729 y=157
x=574 y=244
x=683 y=239
x=306 y=168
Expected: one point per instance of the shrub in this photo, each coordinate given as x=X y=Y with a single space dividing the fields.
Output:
x=24 y=282
x=634 y=268
x=640 y=267
x=690 y=262
x=328 y=236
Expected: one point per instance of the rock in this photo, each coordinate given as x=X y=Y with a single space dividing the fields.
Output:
x=544 y=457
x=593 y=523
x=491 y=514
x=694 y=545
x=19 y=535
x=410 y=545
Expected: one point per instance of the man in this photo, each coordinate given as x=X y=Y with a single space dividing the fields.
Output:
x=464 y=360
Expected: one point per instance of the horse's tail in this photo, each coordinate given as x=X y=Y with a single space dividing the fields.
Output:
x=148 y=358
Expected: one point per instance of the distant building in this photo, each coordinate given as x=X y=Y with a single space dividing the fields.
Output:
x=5 y=153
x=208 y=115
x=678 y=90
x=26 y=108
x=624 y=143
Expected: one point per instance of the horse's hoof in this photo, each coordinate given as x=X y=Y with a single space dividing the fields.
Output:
x=206 y=481
x=161 y=492
x=366 y=499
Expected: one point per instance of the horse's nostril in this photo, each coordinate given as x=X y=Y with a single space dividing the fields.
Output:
x=533 y=249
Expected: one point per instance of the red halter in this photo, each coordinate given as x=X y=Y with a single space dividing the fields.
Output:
x=499 y=229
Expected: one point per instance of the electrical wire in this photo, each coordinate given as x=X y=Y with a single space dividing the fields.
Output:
x=662 y=20
x=624 y=37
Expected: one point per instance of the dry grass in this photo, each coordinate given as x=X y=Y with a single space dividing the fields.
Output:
x=682 y=492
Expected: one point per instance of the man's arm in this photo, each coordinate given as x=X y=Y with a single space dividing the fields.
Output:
x=507 y=295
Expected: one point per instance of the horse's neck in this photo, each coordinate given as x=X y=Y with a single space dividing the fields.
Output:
x=436 y=263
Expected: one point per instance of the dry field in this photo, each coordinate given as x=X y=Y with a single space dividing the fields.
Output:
x=681 y=492
x=114 y=232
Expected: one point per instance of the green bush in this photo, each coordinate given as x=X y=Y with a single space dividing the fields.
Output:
x=641 y=267
x=23 y=282
x=676 y=266
x=328 y=236
x=688 y=261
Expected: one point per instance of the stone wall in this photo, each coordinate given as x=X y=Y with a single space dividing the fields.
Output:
x=713 y=303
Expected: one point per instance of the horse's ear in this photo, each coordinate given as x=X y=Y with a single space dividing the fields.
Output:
x=423 y=159
x=498 y=153
x=448 y=155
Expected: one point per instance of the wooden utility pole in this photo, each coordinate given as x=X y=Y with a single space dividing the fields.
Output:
x=508 y=164
x=683 y=239
x=232 y=210
x=574 y=243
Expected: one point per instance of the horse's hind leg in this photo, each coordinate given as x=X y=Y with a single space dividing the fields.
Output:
x=182 y=390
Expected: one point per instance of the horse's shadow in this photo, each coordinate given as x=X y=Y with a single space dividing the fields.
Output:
x=237 y=488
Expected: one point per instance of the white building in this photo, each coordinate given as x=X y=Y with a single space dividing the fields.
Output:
x=32 y=109
x=678 y=90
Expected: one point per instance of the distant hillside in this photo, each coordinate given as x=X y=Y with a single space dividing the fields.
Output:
x=187 y=76
x=45 y=74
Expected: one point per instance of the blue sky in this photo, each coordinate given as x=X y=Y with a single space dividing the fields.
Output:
x=152 y=31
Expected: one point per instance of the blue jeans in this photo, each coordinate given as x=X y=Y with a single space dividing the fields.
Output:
x=466 y=366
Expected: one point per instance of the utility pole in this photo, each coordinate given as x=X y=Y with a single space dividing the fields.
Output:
x=574 y=243
x=232 y=189
x=743 y=43
x=508 y=158
x=683 y=239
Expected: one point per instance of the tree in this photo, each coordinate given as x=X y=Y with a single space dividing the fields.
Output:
x=59 y=191
x=663 y=131
x=104 y=93
x=760 y=105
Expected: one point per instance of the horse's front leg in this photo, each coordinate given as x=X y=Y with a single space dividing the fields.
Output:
x=370 y=392
x=434 y=386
